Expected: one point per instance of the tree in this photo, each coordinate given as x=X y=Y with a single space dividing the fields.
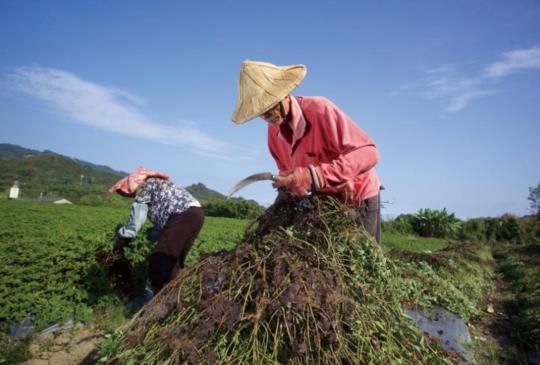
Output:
x=509 y=229
x=232 y=208
x=435 y=223
x=534 y=199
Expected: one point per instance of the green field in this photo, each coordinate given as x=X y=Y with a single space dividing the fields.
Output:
x=409 y=242
x=50 y=267
x=48 y=254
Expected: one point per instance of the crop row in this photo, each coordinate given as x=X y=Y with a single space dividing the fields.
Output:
x=48 y=259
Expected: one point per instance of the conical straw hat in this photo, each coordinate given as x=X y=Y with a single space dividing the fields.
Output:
x=262 y=85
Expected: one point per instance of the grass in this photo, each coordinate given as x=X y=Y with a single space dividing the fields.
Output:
x=400 y=242
x=217 y=234
x=48 y=252
x=39 y=242
x=49 y=268
x=520 y=266
x=457 y=277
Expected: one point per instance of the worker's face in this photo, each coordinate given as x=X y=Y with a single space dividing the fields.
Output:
x=277 y=114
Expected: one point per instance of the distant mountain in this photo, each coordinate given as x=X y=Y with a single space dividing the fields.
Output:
x=14 y=152
x=100 y=167
x=52 y=174
x=202 y=193
x=11 y=151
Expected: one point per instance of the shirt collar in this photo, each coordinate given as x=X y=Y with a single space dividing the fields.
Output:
x=297 y=122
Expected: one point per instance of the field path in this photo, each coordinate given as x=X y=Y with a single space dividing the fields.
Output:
x=495 y=333
x=492 y=332
x=66 y=349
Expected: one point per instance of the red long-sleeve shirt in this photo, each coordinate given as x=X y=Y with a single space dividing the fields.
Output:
x=323 y=135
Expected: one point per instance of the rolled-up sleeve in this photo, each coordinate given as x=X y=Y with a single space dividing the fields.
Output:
x=136 y=219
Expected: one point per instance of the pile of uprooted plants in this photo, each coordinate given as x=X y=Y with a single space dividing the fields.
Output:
x=306 y=286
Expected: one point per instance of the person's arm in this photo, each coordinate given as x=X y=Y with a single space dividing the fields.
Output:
x=136 y=219
x=357 y=153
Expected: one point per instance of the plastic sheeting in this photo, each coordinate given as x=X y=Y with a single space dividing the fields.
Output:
x=25 y=329
x=450 y=330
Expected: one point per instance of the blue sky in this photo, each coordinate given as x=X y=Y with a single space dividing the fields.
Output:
x=449 y=90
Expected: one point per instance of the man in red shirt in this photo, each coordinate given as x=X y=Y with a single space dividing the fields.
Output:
x=316 y=146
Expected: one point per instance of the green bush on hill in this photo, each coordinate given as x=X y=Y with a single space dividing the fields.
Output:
x=233 y=208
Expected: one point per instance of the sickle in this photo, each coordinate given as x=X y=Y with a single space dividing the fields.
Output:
x=251 y=179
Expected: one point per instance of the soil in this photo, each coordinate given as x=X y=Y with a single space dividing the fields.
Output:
x=72 y=348
x=493 y=332
x=530 y=255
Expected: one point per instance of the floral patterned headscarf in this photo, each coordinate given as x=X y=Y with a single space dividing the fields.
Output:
x=128 y=185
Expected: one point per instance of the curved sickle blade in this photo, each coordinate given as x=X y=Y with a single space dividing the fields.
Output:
x=250 y=179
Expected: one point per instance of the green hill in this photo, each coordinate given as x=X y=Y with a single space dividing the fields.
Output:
x=14 y=152
x=201 y=192
x=11 y=151
x=50 y=174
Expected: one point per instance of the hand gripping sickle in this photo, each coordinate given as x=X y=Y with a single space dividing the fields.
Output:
x=298 y=182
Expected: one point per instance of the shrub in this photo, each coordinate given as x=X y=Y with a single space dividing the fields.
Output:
x=435 y=223
x=402 y=224
x=233 y=208
x=509 y=229
x=530 y=229
x=474 y=229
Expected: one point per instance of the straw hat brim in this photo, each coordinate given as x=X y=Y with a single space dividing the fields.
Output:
x=262 y=86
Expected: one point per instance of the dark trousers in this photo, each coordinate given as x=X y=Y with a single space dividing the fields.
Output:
x=173 y=246
x=369 y=216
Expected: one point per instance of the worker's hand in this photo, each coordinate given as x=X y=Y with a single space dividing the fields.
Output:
x=297 y=182
x=281 y=196
x=152 y=234
x=121 y=242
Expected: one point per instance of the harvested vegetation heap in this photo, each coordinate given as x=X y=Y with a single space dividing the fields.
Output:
x=307 y=286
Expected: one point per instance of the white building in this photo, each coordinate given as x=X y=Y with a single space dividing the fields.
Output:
x=14 y=191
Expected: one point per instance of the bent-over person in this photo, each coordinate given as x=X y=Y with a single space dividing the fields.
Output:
x=177 y=217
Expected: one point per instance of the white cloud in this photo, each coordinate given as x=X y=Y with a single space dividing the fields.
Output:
x=446 y=83
x=514 y=61
x=461 y=100
x=110 y=109
x=441 y=87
